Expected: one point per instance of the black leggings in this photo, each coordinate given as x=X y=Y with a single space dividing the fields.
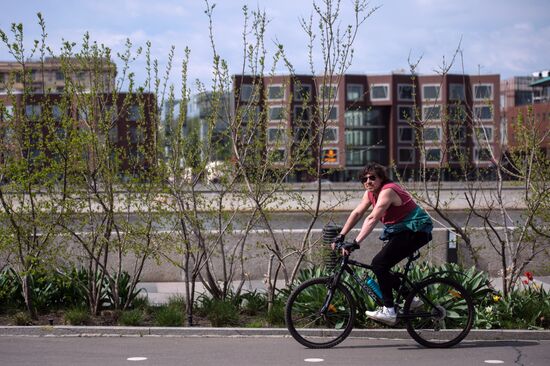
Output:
x=398 y=247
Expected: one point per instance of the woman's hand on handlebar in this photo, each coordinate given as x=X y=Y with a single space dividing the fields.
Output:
x=346 y=247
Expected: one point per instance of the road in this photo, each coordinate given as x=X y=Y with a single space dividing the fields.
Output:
x=165 y=351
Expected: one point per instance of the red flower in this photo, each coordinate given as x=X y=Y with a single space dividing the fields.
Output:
x=529 y=276
x=525 y=282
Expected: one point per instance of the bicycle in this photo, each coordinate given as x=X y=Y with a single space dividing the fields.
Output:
x=321 y=312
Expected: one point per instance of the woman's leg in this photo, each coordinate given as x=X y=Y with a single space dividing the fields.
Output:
x=398 y=247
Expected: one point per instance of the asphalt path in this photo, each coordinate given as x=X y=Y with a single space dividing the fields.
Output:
x=93 y=351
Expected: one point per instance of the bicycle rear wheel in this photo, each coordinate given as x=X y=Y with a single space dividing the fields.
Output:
x=443 y=317
x=313 y=326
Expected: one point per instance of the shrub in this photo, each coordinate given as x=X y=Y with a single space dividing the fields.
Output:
x=177 y=302
x=141 y=302
x=253 y=303
x=10 y=291
x=77 y=316
x=22 y=318
x=276 y=316
x=203 y=305
x=124 y=291
x=223 y=313
x=131 y=317
x=168 y=316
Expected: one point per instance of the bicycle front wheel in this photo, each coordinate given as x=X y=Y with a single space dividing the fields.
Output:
x=318 y=316
x=439 y=313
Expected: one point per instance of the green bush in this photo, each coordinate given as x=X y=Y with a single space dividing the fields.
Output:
x=223 y=313
x=22 y=318
x=177 y=302
x=10 y=291
x=77 y=316
x=124 y=290
x=202 y=305
x=253 y=303
x=276 y=316
x=527 y=308
x=131 y=317
x=168 y=316
x=141 y=302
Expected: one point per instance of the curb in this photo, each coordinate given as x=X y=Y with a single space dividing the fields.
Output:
x=89 y=331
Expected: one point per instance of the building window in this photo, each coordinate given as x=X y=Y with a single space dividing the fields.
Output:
x=7 y=113
x=431 y=92
x=432 y=134
x=360 y=157
x=330 y=135
x=33 y=111
x=482 y=155
x=328 y=91
x=379 y=92
x=365 y=137
x=457 y=133
x=277 y=155
x=483 y=92
x=249 y=114
x=405 y=113
x=330 y=156
x=354 y=92
x=2 y=77
x=483 y=113
x=246 y=92
x=113 y=134
x=405 y=155
x=301 y=114
x=405 y=92
x=302 y=134
x=405 y=134
x=329 y=113
x=431 y=113
x=456 y=92
x=275 y=92
x=433 y=155
x=59 y=76
x=276 y=135
x=457 y=113
x=457 y=154
x=302 y=92
x=134 y=113
x=57 y=113
x=277 y=113
x=136 y=134
x=484 y=134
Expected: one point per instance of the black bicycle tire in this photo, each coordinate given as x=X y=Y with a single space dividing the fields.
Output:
x=469 y=323
x=296 y=334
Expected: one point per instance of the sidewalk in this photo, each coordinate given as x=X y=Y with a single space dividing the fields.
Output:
x=84 y=331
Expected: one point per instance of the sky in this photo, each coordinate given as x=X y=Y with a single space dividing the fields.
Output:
x=506 y=37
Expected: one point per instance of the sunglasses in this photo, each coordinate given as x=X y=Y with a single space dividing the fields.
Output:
x=368 y=177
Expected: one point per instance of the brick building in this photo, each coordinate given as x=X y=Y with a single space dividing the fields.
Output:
x=56 y=95
x=377 y=118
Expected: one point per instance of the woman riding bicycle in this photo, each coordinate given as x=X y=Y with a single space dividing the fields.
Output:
x=407 y=228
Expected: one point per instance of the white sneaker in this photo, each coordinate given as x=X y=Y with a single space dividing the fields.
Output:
x=384 y=315
x=416 y=303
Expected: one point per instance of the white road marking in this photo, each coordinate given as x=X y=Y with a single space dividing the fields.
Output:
x=313 y=359
x=493 y=361
x=136 y=358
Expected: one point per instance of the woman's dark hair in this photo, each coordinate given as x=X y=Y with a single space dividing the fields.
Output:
x=376 y=169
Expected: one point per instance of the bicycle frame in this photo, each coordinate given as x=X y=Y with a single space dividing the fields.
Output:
x=346 y=265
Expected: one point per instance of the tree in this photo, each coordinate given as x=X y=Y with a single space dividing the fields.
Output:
x=35 y=169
